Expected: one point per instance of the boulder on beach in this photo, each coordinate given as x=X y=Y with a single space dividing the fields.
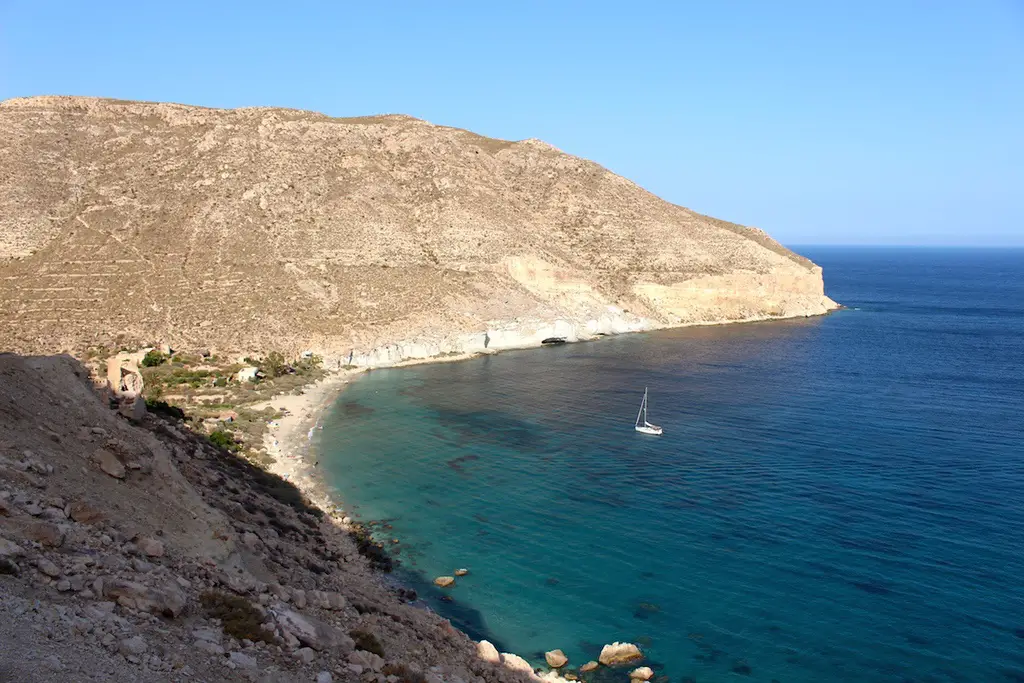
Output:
x=516 y=663
x=556 y=659
x=643 y=673
x=487 y=652
x=444 y=581
x=589 y=666
x=617 y=654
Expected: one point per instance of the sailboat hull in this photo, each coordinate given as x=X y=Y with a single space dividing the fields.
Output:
x=646 y=427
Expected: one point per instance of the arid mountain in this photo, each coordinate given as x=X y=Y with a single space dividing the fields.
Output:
x=252 y=229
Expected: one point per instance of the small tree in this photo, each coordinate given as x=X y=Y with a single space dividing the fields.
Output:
x=153 y=358
x=274 y=365
x=225 y=439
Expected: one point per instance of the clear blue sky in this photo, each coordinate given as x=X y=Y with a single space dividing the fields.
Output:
x=821 y=121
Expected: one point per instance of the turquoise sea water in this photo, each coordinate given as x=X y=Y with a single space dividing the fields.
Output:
x=834 y=499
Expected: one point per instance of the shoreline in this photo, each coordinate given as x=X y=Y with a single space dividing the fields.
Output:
x=289 y=439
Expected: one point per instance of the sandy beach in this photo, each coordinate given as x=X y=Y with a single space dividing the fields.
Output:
x=289 y=438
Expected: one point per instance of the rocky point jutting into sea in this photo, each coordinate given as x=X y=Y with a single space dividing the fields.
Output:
x=154 y=553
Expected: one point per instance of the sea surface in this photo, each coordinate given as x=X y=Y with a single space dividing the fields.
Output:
x=834 y=499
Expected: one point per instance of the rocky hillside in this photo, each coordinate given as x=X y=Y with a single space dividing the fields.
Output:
x=261 y=228
x=139 y=551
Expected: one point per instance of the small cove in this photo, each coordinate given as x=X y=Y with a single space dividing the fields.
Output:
x=833 y=499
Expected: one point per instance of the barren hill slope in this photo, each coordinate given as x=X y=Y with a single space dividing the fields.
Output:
x=139 y=551
x=256 y=228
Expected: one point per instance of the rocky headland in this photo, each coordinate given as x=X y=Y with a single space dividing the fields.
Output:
x=366 y=240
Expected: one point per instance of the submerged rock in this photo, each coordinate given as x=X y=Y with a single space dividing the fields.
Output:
x=461 y=572
x=589 y=666
x=742 y=668
x=444 y=581
x=617 y=654
x=643 y=673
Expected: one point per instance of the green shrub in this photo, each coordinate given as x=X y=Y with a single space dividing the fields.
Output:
x=308 y=364
x=238 y=617
x=153 y=358
x=274 y=365
x=225 y=439
x=367 y=641
x=154 y=405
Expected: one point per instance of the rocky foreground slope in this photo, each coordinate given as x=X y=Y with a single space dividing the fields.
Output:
x=139 y=551
x=367 y=239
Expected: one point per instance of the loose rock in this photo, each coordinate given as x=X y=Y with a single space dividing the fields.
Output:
x=82 y=512
x=47 y=567
x=109 y=463
x=167 y=601
x=487 y=652
x=312 y=632
x=617 y=654
x=242 y=661
x=556 y=659
x=132 y=646
x=48 y=534
x=516 y=663
x=10 y=549
x=644 y=673
x=150 y=546
x=444 y=581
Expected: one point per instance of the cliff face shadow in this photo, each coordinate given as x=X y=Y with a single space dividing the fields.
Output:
x=467 y=619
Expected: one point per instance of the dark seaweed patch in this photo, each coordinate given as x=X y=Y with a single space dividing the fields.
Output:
x=456 y=463
x=356 y=409
x=494 y=427
x=741 y=667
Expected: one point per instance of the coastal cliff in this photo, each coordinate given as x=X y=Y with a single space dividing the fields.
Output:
x=367 y=240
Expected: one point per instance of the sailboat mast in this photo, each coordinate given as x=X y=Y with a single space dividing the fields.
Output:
x=645 y=405
x=643 y=410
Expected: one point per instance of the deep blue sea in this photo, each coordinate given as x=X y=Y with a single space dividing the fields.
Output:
x=834 y=499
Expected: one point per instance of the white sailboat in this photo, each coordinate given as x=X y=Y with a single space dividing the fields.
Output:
x=642 y=425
